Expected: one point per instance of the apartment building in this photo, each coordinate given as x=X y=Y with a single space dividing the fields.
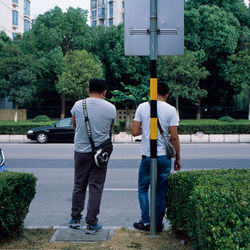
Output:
x=106 y=12
x=14 y=16
x=247 y=3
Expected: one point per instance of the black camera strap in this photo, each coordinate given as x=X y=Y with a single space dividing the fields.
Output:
x=87 y=123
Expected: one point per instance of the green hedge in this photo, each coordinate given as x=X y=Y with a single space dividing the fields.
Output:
x=211 y=207
x=15 y=128
x=215 y=129
x=206 y=126
x=16 y=193
x=41 y=118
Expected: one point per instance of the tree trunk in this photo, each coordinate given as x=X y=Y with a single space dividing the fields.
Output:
x=177 y=105
x=198 y=114
x=62 y=106
x=16 y=113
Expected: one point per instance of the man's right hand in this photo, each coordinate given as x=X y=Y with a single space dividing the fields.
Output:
x=177 y=165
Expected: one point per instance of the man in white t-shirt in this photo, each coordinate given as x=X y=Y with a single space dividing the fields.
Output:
x=168 y=118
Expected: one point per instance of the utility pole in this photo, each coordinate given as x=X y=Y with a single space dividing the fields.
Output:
x=153 y=114
x=163 y=36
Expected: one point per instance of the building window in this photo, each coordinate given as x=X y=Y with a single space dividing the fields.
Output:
x=93 y=13
x=101 y=12
x=101 y=22
x=14 y=1
x=14 y=17
x=93 y=4
x=110 y=9
x=93 y=23
x=101 y=3
x=27 y=7
x=123 y=4
x=26 y=25
x=111 y=22
x=14 y=35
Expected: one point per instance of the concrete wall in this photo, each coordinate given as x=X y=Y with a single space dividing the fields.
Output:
x=9 y=114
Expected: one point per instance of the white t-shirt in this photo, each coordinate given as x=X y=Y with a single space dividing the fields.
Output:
x=167 y=116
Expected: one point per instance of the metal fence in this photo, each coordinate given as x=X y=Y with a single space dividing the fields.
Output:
x=54 y=112
x=213 y=112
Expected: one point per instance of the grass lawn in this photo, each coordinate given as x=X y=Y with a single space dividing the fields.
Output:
x=122 y=239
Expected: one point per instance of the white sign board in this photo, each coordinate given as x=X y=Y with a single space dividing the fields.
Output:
x=170 y=25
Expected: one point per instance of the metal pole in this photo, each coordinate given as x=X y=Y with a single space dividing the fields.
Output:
x=153 y=114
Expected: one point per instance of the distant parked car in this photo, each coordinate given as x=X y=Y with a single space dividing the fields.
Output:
x=61 y=131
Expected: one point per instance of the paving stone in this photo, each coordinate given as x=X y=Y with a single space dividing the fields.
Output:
x=79 y=235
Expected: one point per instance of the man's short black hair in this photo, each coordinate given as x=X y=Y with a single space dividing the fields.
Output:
x=163 y=88
x=97 y=85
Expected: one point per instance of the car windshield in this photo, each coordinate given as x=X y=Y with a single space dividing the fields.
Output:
x=64 y=122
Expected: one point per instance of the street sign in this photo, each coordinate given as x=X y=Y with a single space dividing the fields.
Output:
x=170 y=25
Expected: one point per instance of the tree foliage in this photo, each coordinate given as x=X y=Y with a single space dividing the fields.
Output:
x=131 y=96
x=108 y=45
x=183 y=75
x=216 y=32
x=17 y=74
x=213 y=30
x=51 y=37
x=80 y=67
x=236 y=7
x=237 y=73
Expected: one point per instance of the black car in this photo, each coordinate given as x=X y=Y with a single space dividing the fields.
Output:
x=61 y=131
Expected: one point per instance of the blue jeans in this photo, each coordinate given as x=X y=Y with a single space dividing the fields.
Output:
x=163 y=170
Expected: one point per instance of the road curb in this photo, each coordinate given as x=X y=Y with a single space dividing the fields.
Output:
x=125 y=137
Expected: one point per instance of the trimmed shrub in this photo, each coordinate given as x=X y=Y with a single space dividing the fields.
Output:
x=41 y=118
x=211 y=207
x=209 y=126
x=186 y=127
x=16 y=193
x=229 y=128
x=15 y=128
x=226 y=119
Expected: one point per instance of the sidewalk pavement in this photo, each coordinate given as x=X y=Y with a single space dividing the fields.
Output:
x=78 y=235
x=124 y=137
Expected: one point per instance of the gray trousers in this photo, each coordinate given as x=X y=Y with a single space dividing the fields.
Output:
x=87 y=174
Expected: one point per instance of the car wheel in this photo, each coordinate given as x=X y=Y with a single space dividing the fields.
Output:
x=42 y=137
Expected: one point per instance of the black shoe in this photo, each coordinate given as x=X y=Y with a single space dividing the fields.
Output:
x=140 y=226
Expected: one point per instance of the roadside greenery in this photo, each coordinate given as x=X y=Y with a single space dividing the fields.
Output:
x=41 y=118
x=79 y=67
x=35 y=70
x=207 y=126
x=183 y=75
x=211 y=207
x=17 y=190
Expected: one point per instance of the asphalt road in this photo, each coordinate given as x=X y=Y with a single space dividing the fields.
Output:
x=53 y=165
